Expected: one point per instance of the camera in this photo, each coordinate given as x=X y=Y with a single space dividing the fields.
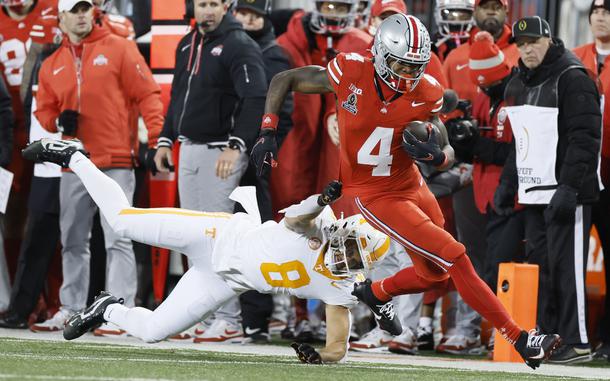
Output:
x=462 y=128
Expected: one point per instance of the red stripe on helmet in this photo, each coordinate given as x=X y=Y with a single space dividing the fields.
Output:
x=415 y=32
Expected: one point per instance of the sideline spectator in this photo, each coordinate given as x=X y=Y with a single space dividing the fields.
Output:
x=454 y=20
x=6 y=147
x=563 y=127
x=595 y=57
x=218 y=96
x=42 y=235
x=16 y=21
x=490 y=16
x=488 y=146
x=95 y=110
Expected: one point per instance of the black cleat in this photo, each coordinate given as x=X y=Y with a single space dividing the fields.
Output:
x=383 y=311
x=425 y=339
x=535 y=348
x=13 y=321
x=90 y=317
x=53 y=151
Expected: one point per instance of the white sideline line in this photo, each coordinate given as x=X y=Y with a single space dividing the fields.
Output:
x=39 y=377
x=214 y=362
x=385 y=360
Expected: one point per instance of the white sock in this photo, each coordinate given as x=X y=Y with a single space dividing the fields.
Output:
x=425 y=322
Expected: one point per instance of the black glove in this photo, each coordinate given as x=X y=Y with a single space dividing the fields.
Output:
x=331 y=193
x=264 y=152
x=67 y=122
x=563 y=204
x=504 y=199
x=306 y=353
x=150 y=161
x=427 y=152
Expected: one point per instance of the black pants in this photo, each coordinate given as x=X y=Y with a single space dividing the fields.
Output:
x=39 y=245
x=561 y=251
x=601 y=220
x=504 y=235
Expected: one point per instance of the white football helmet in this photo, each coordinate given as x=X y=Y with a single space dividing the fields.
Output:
x=354 y=246
x=454 y=18
x=401 y=41
x=337 y=21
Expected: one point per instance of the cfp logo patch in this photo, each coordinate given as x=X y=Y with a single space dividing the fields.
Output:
x=100 y=60
x=350 y=104
x=522 y=25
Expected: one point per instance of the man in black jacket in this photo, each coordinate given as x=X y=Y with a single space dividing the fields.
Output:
x=6 y=146
x=256 y=308
x=556 y=123
x=217 y=99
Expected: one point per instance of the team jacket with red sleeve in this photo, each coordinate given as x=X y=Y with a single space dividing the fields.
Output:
x=111 y=75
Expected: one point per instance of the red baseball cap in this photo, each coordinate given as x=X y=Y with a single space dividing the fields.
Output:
x=503 y=2
x=382 y=6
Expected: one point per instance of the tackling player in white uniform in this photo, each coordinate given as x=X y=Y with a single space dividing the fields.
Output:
x=309 y=254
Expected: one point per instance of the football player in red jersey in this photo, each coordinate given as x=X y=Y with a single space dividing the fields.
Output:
x=376 y=99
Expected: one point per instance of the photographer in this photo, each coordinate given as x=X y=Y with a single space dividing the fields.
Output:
x=487 y=147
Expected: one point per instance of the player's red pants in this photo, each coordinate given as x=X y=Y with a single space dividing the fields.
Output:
x=414 y=220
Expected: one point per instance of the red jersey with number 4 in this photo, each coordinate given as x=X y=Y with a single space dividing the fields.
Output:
x=370 y=130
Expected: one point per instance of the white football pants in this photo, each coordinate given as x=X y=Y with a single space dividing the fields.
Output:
x=199 y=292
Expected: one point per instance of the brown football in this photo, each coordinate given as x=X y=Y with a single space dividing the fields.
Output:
x=421 y=130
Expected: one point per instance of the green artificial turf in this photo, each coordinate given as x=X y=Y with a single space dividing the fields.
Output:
x=51 y=360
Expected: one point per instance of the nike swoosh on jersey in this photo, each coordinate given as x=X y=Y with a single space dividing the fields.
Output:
x=415 y=104
x=57 y=71
x=461 y=67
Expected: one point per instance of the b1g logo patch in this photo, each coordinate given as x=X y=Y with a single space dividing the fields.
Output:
x=350 y=104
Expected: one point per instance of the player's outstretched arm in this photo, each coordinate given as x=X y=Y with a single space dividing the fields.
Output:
x=299 y=218
x=337 y=334
x=309 y=80
x=445 y=146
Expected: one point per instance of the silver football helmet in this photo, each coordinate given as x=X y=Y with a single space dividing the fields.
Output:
x=333 y=16
x=454 y=18
x=401 y=51
x=354 y=246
